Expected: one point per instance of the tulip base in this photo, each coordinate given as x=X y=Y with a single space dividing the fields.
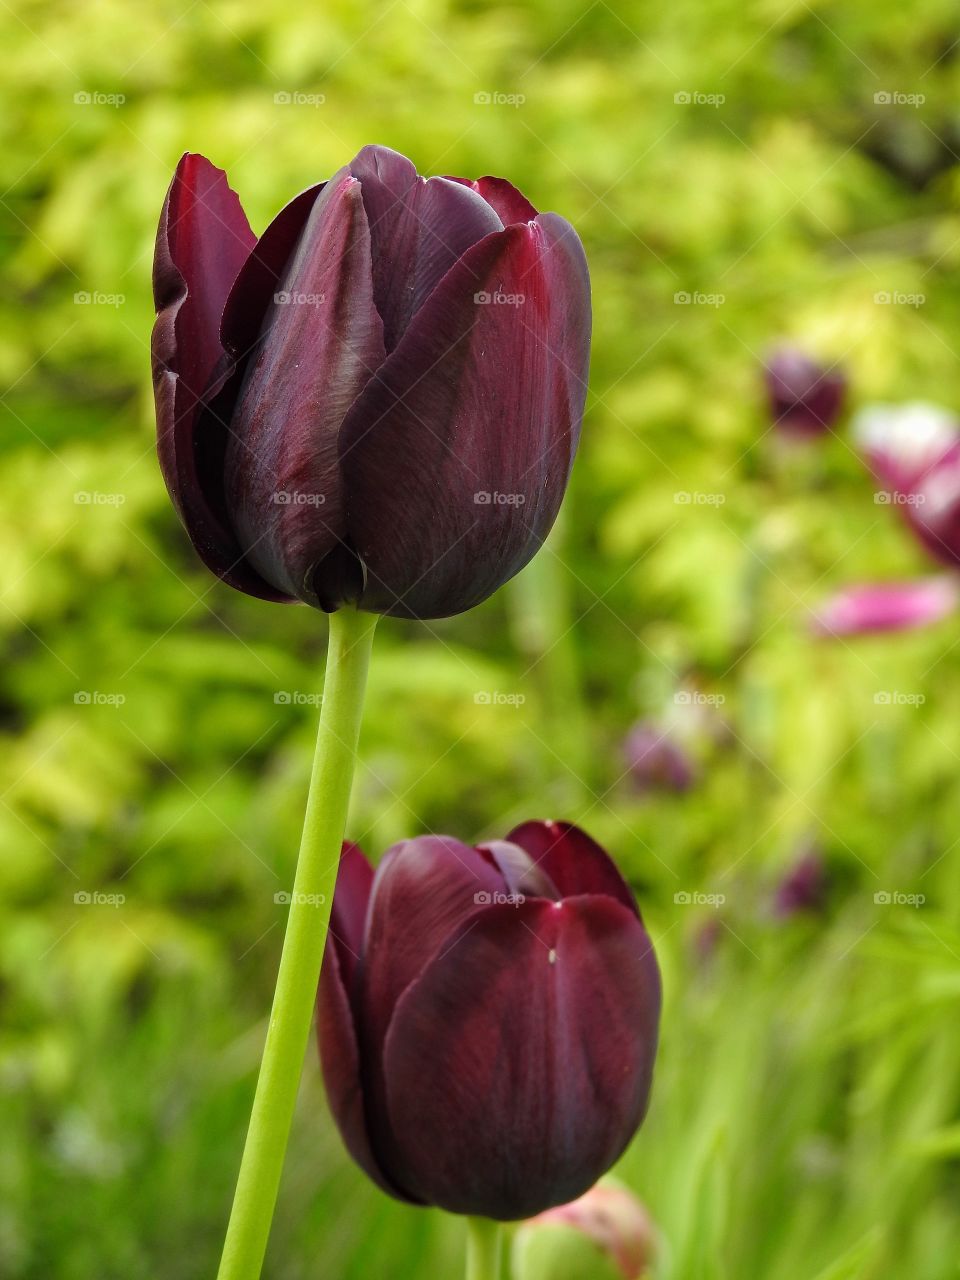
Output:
x=351 y=638
x=484 y=1249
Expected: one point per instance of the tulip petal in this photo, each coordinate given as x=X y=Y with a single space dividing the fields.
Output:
x=456 y=456
x=419 y=227
x=523 y=877
x=322 y=340
x=340 y=1062
x=575 y=863
x=348 y=915
x=891 y=606
x=422 y=890
x=202 y=242
x=261 y=274
x=541 y=1022
x=502 y=196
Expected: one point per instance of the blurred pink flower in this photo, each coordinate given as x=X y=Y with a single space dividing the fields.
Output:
x=891 y=606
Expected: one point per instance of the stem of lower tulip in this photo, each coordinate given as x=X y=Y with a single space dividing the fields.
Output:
x=484 y=1241
x=351 y=638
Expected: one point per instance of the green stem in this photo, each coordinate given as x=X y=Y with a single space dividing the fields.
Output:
x=484 y=1241
x=351 y=638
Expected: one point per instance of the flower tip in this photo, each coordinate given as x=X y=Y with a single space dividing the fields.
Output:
x=607 y=1234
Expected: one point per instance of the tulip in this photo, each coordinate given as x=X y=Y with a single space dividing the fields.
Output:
x=655 y=761
x=378 y=402
x=605 y=1235
x=487 y=1018
x=805 y=398
x=914 y=453
x=891 y=606
x=803 y=889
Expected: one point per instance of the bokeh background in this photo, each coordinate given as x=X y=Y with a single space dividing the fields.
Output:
x=157 y=726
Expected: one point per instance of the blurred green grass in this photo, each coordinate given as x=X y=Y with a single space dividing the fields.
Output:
x=804 y=1123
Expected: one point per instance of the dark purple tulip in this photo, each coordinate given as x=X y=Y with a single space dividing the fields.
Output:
x=487 y=1018
x=914 y=451
x=805 y=398
x=655 y=761
x=803 y=889
x=379 y=400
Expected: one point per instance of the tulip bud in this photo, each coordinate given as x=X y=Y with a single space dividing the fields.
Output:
x=803 y=889
x=379 y=401
x=805 y=398
x=914 y=452
x=605 y=1235
x=655 y=761
x=488 y=1019
x=889 y=606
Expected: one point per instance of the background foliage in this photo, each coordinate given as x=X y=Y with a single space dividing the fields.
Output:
x=805 y=1120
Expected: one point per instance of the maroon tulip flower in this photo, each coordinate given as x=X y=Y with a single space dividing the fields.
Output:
x=379 y=400
x=655 y=761
x=488 y=1018
x=803 y=888
x=805 y=398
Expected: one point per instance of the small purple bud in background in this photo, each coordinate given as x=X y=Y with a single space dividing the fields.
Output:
x=655 y=760
x=803 y=889
x=605 y=1235
x=805 y=397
